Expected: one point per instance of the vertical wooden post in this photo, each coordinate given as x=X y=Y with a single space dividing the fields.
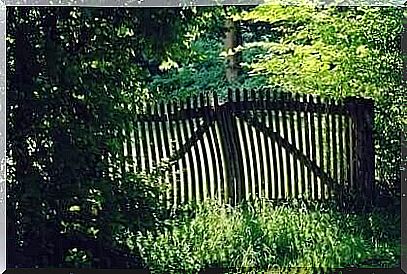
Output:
x=361 y=112
x=368 y=150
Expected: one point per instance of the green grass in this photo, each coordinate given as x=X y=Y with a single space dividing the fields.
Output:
x=262 y=236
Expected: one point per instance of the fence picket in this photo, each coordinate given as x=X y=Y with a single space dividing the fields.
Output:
x=321 y=185
x=273 y=145
x=281 y=187
x=287 y=163
x=341 y=132
x=294 y=184
x=307 y=145
x=203 y=152
x=211 y=146
x=313 y=147
x=328 y=142
x=266 y=183
x=239 y=151
x=300 y=134
x=220 y=151
x=258 y=150
x=334 y=146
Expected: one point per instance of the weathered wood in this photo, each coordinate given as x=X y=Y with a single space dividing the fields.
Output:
x=228 y=153
x=277 y=104
x=328 y=148
x=288 y=171
x=282 y=176
x=341 y=131
x=185 y=123
x=266 y=147
x=204 y=158
x=286 y=144
x=246 y=161
x=334 y=147
x=300 y=133
x=361 y=113
x=151 y=144
x=174 y=193
x=212 y=149
x=347 y=143
x=307 y=146
x=274 y=184
x=313 y=149
x=294 y=142
x=258 y=148
x=239 y=152
x=321 y=150
x=253 y=150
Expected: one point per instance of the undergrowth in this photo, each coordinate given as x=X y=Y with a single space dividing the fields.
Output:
x=261 y=236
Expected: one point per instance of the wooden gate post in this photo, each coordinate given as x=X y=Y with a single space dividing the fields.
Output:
x=231 y=150
x=361 y=113
x=226 y=149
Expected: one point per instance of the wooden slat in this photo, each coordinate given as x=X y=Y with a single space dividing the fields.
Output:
x=287 y=162
x=307 y=145
x=235 y=149
x=228 y=153
x=157 y=136
x=347 y=129
x=195 y=170
x=212 y=150
x=182 y=174
x=300 y=134
x=174 y=195
x=251 y=132
x=266 y=147
x=189 y=182
x=334 y=147
x=158 y=151
x=258 y=149
x=273 y=191
x=239 y=151
x=245 y=144
x=313 y=149
x=328 y=143
x=145 y=145
x=294 y=142
x=128 y=147
x=280 y=150
x=195 y=124
x=219 y=150
x=172 y=141
x=151 y=145
x=321 y=150
x=247 y=136
x=341 y=131
x=207 y=179
x=137 y=144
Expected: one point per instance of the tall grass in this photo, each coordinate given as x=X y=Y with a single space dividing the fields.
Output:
x=263 y=236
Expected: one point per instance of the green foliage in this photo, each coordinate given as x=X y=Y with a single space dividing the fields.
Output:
x=261 y=236
x=199 y=63
x=75 y=78
x=337 y=52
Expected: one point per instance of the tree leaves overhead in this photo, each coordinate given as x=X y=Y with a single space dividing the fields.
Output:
x=76 y=76
x=338 y=52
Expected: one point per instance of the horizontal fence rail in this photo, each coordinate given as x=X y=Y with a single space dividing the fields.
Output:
x=265 y=144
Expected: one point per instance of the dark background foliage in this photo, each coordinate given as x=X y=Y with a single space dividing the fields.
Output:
x=76 y=77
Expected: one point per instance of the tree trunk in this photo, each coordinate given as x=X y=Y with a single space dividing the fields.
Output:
x=232 y=40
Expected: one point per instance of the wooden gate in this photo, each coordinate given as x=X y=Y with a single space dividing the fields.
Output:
x=261 y=143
